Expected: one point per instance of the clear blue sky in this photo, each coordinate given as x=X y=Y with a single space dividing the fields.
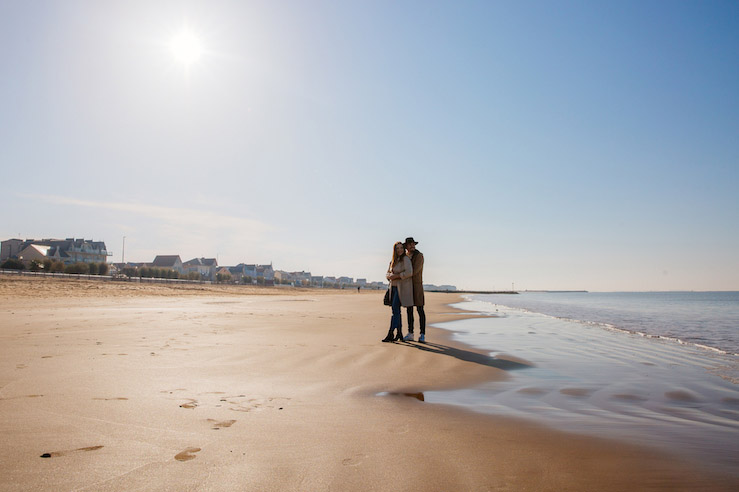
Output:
x=550 y=145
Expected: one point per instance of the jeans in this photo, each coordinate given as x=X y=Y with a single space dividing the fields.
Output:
x=395 y=320
x=421 y=319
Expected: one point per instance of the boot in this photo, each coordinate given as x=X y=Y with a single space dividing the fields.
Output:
x=389 y=337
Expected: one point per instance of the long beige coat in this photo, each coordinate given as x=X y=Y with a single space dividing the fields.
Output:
x=405 y=283
x=417 y=261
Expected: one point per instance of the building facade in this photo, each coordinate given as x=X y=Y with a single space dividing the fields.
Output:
x=205 y=267
x=68 y=251
x=172 y=262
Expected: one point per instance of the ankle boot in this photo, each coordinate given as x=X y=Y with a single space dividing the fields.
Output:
x=389 y=337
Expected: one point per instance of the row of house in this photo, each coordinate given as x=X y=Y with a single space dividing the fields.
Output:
x=207 y=269
x=306 y=279
x=72 y=250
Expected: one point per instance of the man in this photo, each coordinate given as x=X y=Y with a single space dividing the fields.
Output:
x=418 y=300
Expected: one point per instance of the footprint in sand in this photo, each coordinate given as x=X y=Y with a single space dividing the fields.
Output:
x=356 y=460
x=172 y=391
x=190 y=404
x=186 y=455
x=221 y=425
x=110 y=399
x=242 y=408
x=255 y=403
x=56 y=454
x=23 y=396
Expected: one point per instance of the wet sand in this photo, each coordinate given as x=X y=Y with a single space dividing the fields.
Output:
x=606 y=383
x=107 y=386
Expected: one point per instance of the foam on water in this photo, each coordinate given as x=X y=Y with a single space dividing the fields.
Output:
x=709 y=320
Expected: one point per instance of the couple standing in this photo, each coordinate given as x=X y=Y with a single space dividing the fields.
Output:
x=405 y=274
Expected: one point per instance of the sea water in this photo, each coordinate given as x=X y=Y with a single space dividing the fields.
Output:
x=657 y=369
x=705 y=319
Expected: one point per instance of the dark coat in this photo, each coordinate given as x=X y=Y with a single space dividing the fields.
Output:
x=417 y=262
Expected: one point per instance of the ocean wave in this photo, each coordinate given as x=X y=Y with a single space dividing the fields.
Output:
x=608 y=326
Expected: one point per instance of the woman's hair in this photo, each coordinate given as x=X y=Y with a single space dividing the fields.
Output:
x=396 y=256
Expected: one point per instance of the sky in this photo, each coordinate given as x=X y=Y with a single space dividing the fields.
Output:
x=529 y=145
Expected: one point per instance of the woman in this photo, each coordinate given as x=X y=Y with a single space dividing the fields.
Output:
x=400 y=275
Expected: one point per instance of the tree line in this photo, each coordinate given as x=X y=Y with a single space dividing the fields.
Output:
x=56 y=266
x=168 y=273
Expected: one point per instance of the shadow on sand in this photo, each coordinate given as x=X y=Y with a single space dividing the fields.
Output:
x=467 y=356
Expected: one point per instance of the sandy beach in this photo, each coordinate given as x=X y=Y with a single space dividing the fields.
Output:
x=125 y=386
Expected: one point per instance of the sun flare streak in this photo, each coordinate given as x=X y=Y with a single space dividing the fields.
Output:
x=186 y=46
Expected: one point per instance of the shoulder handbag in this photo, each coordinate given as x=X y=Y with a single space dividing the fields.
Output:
x=388 y=301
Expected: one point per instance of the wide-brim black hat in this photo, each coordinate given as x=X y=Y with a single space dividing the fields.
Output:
x=410 y=240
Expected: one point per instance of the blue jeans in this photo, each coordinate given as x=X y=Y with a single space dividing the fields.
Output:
x=395 y=320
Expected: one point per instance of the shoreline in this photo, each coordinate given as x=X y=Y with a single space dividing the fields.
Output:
x=276 y=391
x=609 y=383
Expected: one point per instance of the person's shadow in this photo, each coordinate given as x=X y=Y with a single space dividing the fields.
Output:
x=467 y=356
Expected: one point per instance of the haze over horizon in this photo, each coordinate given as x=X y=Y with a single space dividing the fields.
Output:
x=546 y=145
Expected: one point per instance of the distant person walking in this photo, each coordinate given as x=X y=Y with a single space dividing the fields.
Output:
x=418 y=297
x=400 y=275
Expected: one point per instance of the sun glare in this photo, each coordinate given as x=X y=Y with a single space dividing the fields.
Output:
x=186 y=47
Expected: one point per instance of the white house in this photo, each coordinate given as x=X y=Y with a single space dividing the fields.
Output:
x=33 y=252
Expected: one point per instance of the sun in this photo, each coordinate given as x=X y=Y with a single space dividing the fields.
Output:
x=186 y=46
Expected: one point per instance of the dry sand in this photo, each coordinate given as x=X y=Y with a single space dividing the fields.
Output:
x=111 y=386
